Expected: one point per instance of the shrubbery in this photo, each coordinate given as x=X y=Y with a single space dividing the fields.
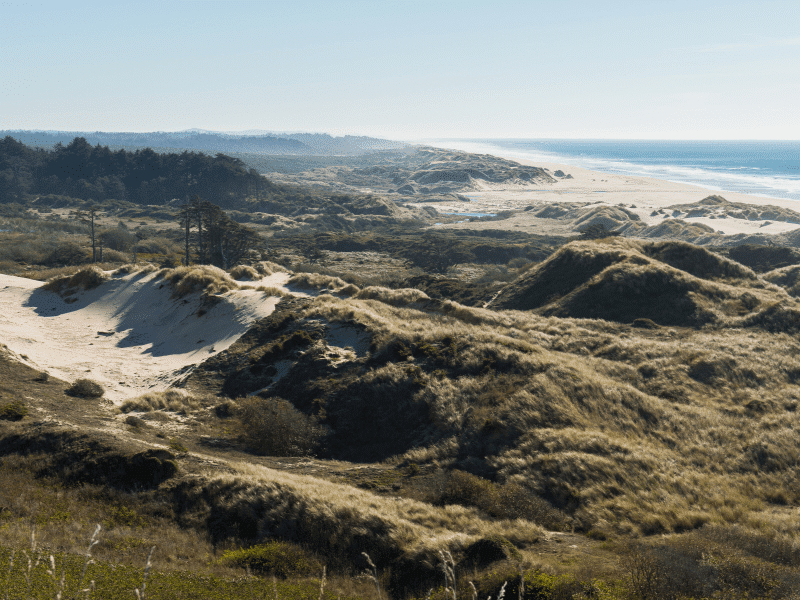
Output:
x=508 y=501
x=86 y=388
x=13 y=411
x=281 y=559
x=275 y=427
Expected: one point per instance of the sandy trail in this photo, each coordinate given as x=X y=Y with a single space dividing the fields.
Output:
x=641 y=195
x=129 y=334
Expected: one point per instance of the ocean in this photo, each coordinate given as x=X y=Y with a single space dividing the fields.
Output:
x=762 y=168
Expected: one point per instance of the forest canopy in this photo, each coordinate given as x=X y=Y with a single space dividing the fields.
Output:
x=80 y=170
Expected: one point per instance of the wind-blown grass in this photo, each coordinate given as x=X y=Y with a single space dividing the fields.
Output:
x=208 y=279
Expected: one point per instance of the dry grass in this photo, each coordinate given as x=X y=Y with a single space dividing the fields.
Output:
x=140 y=268
x=627 y=430
x=671 y=283
x=173 y=400
x=207 y=279
x=337 y=518
x=786 y=277
x=402 y=297
x=272 y=291
x=266 y=267
x=323 y=283
x=244 y=272
x=86 y=278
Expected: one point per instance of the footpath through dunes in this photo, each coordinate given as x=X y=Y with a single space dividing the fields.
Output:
x=669 y=283
x=130 y=330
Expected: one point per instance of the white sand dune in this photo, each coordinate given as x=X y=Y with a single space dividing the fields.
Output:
x=641 y=195
x=128 y=333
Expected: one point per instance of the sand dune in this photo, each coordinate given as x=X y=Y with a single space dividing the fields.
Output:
x=129 y=334
x=668 y=283
x=652 y=200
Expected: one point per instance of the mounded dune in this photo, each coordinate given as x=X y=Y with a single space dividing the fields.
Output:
x=677 y=229
x=133 y=330
x=671 y=283
x=613 y=218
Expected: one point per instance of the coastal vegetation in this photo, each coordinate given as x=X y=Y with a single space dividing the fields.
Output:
x=426 y=413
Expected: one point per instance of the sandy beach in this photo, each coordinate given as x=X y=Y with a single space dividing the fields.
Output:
x=652 y=200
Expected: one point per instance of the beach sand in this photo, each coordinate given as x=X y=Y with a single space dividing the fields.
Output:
x=640 y=195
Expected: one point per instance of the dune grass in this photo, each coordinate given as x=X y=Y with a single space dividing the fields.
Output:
x=629 y=432
x=86 y=278
x=681 y=434
x=319 y=282
x=208 y=279
x=173 y=400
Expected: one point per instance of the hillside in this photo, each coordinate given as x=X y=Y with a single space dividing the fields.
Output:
x=670 y=283
x=638 y=390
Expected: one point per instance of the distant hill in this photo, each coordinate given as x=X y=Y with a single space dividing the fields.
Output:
x=212 y=142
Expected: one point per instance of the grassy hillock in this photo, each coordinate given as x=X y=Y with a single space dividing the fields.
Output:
x=670 y=283
x=619 y=423
x=591 y=416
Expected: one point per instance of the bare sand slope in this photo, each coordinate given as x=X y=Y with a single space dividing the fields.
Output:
x=129 y=334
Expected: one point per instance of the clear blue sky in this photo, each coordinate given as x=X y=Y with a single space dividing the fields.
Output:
x=406 y=70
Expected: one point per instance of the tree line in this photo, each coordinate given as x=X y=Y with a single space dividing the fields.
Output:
x=217 y=239
x=80 y=170
x=210 y=236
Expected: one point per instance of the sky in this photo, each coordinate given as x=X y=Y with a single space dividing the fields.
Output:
x=406 y=69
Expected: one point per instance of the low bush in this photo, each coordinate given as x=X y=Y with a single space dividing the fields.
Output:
x=13 y=411
x=113 y=256
x=68 y=254
x=695 y=566
x=273 y=426
x=86 y=388
x=281 y=559
x=506 y=501
x=157 y=245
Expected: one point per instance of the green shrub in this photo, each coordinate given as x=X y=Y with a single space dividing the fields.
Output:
x=281 y=559
x=68 y=254
x=13 y=411
x=275 y=427
x=176 y=445
x=86 y=388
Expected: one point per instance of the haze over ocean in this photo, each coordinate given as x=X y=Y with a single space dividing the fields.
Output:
x=764 y=168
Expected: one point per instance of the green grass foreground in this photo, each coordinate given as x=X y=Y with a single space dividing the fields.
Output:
x=31 y=575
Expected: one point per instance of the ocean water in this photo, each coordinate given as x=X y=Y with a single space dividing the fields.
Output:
x=762 y=168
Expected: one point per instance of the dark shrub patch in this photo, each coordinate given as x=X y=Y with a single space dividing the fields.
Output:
x=13 y=411
x=86 y=388
x=273 y=426
x=281 y=559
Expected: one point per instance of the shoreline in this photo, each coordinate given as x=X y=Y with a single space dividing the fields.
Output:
x=651 y=199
